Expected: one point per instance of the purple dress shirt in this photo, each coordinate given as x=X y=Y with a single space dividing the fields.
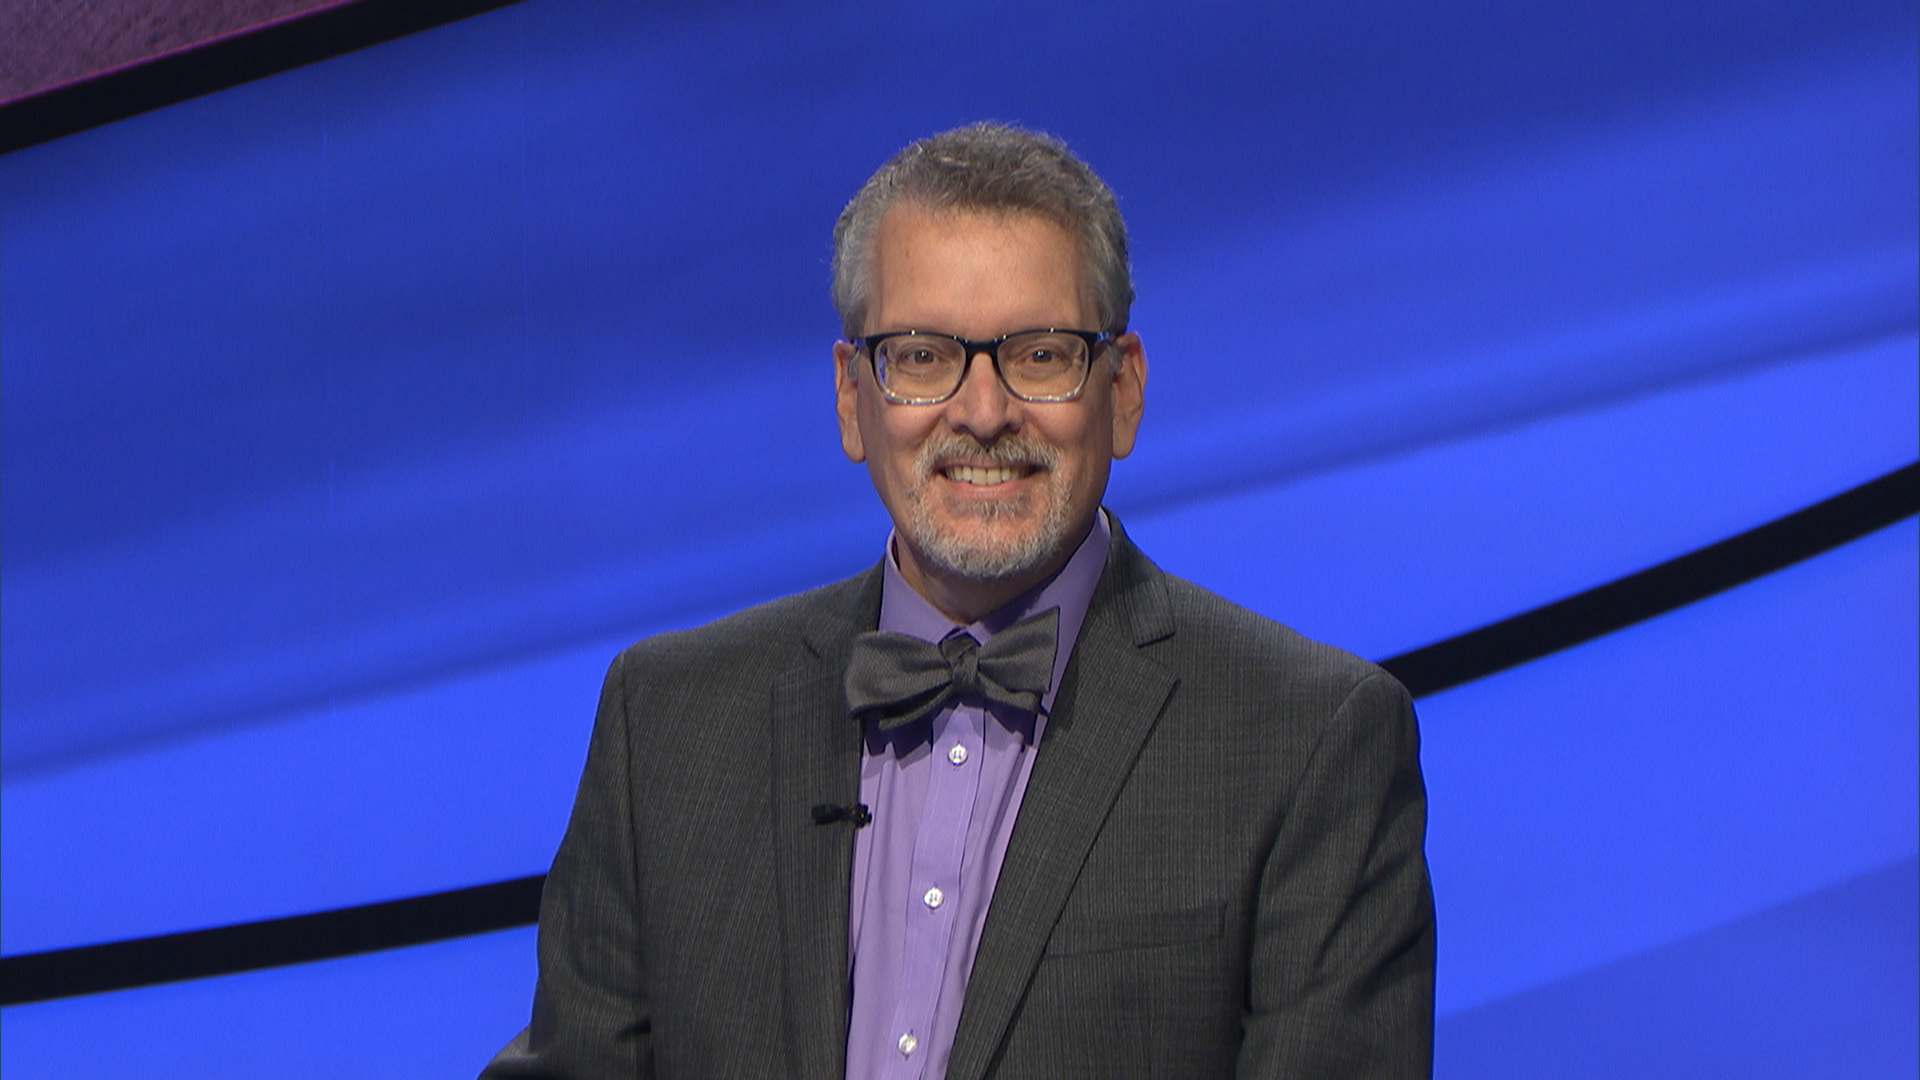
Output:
x=944 y=793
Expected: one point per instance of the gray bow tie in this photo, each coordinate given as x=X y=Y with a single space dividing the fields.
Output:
x=902 y=678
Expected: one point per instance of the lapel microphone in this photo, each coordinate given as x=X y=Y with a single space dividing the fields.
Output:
x=828 y=813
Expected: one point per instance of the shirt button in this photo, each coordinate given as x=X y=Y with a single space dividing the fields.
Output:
x=957 y=755
x=935 y=897
x=908 y=1043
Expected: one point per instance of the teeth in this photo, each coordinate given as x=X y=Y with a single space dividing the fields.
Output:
x=973 y=474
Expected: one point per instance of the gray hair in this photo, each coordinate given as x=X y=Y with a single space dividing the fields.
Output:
x=995 y=168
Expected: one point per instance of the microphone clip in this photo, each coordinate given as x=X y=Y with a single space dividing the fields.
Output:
x=828 y=813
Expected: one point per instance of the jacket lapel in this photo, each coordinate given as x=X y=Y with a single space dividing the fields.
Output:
x=1109 y=700
x=816 y=759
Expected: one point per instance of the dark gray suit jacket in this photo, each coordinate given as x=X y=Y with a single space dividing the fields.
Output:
x=1216 y=871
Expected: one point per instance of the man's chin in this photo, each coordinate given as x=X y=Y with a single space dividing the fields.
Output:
x=978 y=554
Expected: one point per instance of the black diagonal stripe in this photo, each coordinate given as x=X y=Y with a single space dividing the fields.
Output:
x=224 y=950
x=1656 y=590
x=419 y=920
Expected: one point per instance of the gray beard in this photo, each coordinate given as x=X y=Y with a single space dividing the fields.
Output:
x=985 y=560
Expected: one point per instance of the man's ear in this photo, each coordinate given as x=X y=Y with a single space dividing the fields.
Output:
x=846 y=399
x=1129 y=391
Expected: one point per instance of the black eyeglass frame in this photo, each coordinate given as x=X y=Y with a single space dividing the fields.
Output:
x=1093 y=338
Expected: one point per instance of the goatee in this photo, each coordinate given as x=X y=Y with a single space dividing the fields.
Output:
x=986 y=558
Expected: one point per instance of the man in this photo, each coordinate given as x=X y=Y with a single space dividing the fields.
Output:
x=1014 y=802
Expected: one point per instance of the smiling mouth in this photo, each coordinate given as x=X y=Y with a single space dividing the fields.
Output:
x=981 y=476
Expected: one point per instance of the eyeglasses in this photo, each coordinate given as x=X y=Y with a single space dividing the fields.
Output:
x=918 y=367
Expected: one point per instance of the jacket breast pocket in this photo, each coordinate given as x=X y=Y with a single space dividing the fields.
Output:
x=1136 y=930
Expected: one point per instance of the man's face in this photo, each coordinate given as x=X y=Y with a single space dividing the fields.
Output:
x=983 y=487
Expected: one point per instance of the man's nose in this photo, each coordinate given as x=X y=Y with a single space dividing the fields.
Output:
x=982 y=406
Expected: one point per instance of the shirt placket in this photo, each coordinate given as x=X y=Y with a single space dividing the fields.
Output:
x=939 y=851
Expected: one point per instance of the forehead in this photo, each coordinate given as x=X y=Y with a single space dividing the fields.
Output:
x=976 y=271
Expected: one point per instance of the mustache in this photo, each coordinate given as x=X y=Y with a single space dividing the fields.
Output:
x=1006 y=450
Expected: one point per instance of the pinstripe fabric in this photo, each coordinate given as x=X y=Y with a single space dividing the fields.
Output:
x=1216 y=871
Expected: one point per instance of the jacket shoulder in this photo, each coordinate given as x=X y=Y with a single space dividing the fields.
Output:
x=1215 y=636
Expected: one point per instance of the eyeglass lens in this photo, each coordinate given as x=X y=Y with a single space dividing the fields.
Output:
x=1039 y=366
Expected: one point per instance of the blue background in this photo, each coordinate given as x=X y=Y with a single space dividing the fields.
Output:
x=353 y=417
